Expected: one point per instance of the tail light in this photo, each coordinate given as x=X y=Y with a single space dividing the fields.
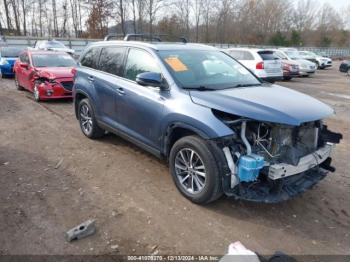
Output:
x=260 y=65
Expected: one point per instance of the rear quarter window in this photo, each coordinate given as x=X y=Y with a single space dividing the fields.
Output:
x=241 y=55
x=91 y=57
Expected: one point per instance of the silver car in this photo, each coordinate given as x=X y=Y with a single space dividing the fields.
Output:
x=52 y=45
x=306 y=68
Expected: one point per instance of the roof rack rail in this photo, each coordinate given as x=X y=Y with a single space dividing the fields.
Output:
x=114 y=37
x=142 y=37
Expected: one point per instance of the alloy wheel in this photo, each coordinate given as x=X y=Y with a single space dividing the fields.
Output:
x=190 y=170
x=36 y=93
x=85 y=119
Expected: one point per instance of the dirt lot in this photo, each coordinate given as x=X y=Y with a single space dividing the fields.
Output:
x=131 y=195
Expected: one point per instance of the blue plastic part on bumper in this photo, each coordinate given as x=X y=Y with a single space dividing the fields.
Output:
x=249 y=167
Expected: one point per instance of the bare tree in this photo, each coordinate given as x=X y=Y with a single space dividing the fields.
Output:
x=197 y=10
x=54 y=13
x=8 y=20
x=152 y=8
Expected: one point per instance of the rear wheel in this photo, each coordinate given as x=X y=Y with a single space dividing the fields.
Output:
x=194 y=170
x=287 y=78
x=87 y=120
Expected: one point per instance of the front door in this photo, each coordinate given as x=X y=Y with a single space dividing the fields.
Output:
x=140 y=108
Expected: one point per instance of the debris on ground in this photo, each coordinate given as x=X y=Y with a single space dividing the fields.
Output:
x=59 y=163
x=114 y=247
x=81 y=231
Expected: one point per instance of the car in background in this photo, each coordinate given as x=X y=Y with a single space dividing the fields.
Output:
x=306 y=68
x=345 y=66
x=320 y=61
x=8 y=57
x=221 y=129
x=263 y=63
x=52 y=45
x=290 y=68
x=48 y=75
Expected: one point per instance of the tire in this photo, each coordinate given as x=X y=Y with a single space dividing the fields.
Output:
x=202 y=160
x=87 y=120
x=18 y=87
x=287 y=78
x=36 y=93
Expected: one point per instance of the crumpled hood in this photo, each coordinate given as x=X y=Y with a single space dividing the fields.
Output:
x=55 y=72
x=270 y=103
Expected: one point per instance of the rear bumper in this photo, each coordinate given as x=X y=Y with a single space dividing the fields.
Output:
x=7 y=70
x=272 y=78
x=287 y=73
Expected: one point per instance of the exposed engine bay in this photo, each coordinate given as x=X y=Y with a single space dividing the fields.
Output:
x=272 y=162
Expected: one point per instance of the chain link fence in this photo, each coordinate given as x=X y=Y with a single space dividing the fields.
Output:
x=78 y=44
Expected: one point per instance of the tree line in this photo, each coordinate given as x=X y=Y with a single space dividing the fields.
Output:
x=273 y=22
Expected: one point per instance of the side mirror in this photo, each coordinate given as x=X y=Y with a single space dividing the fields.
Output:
x=24 y=65
x=151 y=79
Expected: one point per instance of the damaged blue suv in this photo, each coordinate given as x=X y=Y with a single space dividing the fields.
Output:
x=220 y=128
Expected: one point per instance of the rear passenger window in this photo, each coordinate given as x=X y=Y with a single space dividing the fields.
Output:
x=241 y=55
x=139 y=62
x=111 y=60
x=90 y=58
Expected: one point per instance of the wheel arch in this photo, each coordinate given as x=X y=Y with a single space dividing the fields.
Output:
x=80 y=95
x=176 y=131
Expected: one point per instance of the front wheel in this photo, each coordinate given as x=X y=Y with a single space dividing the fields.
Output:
x=87 y=120
x=194 y=170
x=36 y=92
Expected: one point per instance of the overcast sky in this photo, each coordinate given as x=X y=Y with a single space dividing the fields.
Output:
x=337 y=3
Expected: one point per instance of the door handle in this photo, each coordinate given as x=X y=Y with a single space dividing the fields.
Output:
x=91 y=78
x=120 y=91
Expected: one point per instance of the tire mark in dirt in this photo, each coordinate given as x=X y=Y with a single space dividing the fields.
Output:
x=46 y=107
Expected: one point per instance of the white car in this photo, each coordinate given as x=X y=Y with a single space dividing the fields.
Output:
x=52 y=45
x=263 y=63
x=321 y=62
x=306 y=68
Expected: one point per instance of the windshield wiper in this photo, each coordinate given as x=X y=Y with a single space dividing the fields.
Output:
x=199 y=88
x=247 y=85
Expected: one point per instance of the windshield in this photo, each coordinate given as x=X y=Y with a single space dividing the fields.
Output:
x=10 y=51
x=206 y=69
x=55 y=45
x=293 y=54
x=53 y=60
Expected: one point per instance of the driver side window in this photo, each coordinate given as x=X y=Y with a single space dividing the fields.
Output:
x=140 y=62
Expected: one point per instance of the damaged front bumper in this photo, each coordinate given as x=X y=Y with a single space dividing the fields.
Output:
x=279 y=181
x=281 y=170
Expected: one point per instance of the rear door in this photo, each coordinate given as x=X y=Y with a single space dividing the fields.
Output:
x=272 y=64
x=107 y=82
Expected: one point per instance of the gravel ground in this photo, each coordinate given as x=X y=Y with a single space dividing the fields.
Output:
x=53 y=178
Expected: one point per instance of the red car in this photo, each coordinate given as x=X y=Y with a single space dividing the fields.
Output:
x=47 y=74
